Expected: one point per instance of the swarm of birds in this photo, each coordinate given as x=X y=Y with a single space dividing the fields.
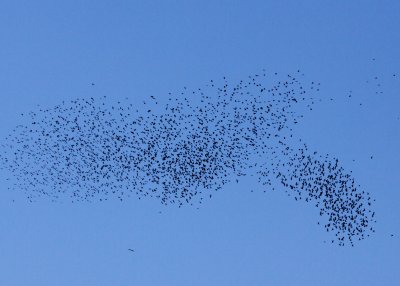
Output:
x=87 y=150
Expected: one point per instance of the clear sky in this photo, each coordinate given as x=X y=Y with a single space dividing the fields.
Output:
x=52 y=51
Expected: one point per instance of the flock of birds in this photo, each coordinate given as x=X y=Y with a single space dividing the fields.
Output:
x=184 y=151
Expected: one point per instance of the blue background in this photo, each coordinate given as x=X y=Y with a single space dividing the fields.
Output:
x=53 y=50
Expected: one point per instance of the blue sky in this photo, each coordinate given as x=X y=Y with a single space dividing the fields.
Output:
x=53 y=50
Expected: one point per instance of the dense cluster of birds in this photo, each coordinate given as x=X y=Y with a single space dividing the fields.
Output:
x=183 y=151
x=322 y=181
